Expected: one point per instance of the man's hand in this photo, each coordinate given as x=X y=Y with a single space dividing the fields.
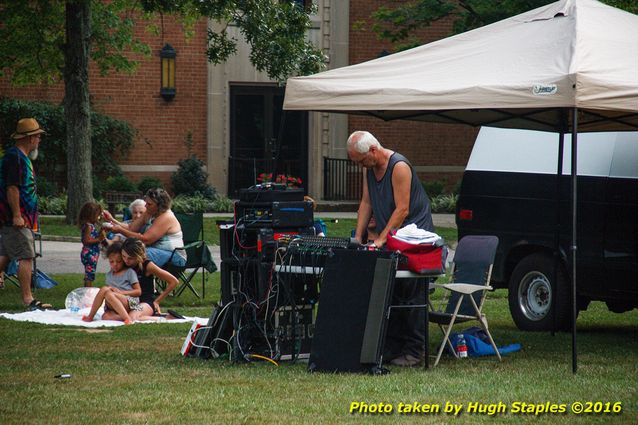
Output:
x=379 y=242
x=19 y=222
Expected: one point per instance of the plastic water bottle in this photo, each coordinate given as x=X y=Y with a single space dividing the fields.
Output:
x=461 y=347
x=80 y=298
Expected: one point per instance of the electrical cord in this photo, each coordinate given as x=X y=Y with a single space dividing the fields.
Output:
x=257 y=356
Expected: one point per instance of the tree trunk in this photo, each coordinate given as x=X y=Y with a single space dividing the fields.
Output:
x=77 y=106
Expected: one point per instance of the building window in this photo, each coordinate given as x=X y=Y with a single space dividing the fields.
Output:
x=306 y=4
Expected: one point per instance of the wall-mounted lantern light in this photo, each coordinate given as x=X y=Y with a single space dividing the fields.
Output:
x=167 y=58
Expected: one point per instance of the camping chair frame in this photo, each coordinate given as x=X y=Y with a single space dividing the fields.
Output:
x=37 y=247
x=197 y=256
x=185 y=277
x=446 y=320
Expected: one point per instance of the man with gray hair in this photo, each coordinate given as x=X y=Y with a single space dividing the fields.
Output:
x=19 y=206
x=393 y=193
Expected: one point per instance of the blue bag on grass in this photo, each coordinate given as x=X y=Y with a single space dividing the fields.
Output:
x=40 y=279
x=43 y=281
x=478 y=344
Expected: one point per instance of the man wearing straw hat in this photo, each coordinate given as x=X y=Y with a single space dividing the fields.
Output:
x=19 y=206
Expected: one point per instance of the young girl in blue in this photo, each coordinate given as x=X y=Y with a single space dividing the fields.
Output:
x=92 y=235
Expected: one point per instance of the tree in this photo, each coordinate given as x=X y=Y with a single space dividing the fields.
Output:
x=398 y=24
x=76 y=106
x=43 y=40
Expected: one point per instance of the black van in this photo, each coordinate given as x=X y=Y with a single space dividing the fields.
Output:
x=511 y=189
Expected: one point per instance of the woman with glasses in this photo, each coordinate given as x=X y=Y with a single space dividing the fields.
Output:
x=163 y=236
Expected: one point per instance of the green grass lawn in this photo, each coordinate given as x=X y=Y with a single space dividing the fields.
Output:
x=57 y=227
x=135 y=374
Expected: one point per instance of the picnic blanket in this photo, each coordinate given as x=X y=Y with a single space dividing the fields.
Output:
x=68 y=318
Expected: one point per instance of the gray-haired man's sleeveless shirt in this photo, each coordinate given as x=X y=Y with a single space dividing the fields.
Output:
x=382 y=198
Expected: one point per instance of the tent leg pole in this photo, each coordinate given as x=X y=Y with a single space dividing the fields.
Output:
x=557 y=228
x=574 y=222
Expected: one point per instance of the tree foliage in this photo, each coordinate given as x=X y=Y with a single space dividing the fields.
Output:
x=111 y=138
x=275 y=31
x=43 y=40
x=190 y=179
x=33 y=34
x=399 y=23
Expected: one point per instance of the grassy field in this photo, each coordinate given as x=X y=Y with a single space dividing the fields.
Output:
x=135 y=374
x=341 y=227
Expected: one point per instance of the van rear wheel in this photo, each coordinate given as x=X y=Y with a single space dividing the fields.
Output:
x=533 y=291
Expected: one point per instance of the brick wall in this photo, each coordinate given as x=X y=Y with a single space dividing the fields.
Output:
x=424 y=144
x=161 y=126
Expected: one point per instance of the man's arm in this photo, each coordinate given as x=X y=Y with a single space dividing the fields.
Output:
x=401 y=179
x=13 y=197
x=365 y=211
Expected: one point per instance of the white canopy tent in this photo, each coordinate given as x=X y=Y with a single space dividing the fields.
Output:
x=568 y=66
x=513 y=73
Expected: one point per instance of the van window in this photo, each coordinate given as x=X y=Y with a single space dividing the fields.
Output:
x=517 y=151
x=595 y=151
x=625 y=161
x=527 y=151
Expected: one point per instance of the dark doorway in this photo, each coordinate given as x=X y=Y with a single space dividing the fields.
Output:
x=256 y=146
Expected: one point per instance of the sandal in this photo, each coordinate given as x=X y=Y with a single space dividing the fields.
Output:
x=175 y=314
x=38 y=305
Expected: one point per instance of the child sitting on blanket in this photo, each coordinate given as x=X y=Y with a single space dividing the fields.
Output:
x=134 y=256
x=121 y=291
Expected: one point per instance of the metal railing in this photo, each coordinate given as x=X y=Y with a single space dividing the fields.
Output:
x=342 y=180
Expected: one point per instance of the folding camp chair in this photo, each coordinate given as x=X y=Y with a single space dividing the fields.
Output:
x=198 y=255
x=465 y=295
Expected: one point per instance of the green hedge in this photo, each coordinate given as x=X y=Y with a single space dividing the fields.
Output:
x=52 y=205
x=443 y=204
x=56 y=205
x=187 y=204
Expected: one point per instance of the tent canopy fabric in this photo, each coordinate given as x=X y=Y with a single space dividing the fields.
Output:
x=514 y=73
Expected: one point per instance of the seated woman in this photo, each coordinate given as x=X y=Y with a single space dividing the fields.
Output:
x=137 y=208
x=163 y=236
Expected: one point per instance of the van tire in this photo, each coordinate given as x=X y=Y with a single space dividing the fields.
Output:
x=532 y=292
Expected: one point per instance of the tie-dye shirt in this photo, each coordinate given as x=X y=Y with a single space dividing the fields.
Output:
x=17 y=170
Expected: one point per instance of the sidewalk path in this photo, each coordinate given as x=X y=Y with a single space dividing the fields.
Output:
x=64 y=257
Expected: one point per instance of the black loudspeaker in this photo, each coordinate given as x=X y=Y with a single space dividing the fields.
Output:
x=226 y=239
x=351 y=321
x=212 y=340
x=229 y=280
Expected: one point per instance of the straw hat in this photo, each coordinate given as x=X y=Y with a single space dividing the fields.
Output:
x=27 y=127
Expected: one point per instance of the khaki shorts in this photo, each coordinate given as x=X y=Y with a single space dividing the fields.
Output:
x=16 y=243
x=133 y=304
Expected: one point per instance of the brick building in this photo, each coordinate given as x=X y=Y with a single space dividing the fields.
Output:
x=162 y=126
x=233 y=113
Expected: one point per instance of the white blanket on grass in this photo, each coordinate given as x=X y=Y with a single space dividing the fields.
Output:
x=68 y=318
